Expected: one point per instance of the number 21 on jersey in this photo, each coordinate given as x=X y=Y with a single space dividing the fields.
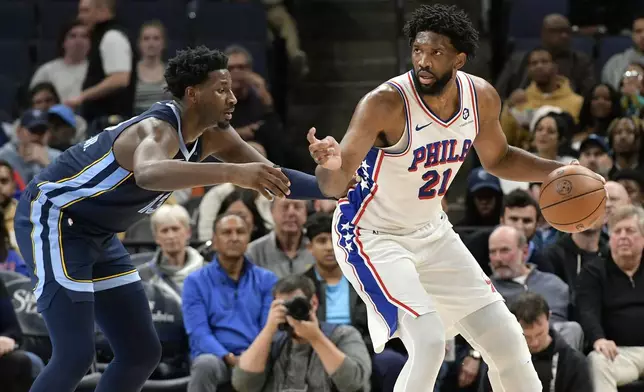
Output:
x=433 y=178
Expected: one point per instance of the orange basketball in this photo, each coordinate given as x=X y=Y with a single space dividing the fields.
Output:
x=572 y=199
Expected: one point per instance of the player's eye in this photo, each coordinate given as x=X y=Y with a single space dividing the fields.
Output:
x=438 y=52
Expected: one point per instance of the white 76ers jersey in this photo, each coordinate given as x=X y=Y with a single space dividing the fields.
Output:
x=402 y=186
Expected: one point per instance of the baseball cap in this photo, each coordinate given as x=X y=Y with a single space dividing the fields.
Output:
x=480 y=179
x=35 y=120
x=65 y=113
x=594 y=140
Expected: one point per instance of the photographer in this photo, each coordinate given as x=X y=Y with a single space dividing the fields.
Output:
x=296 y=352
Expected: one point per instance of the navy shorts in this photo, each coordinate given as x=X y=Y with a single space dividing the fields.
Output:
x=64 y=253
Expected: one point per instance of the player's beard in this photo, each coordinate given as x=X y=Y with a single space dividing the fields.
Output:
x=440 y=82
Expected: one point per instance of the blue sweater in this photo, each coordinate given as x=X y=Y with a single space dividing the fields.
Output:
x=223 y=316
x=14 y=263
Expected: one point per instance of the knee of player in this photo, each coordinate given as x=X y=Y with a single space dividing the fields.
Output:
x=80 y=356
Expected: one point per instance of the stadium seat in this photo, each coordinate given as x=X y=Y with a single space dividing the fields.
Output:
x=54 y=15
x=7 y=94
x=17 y=20
x=171 y=13
x=257 y=49
x=16 y=63
x=10 y=276
x=231 y=22
x=526 y=16
x=46 y=50
x=580 y=43
x=608 y=46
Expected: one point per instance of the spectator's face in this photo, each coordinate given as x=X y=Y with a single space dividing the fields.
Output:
x=541 y=68
x=43 y=100
x=326 y=206
x=26 y=136
x=240 y=209
x=289 y=215
x=601 y=104
x=638 y=34
x=7 y=186
x=151 y=42
x=76 y=43
x=617 y=197
x=321 y=246
x=546 y=136
x=214 y=99
x=485 y=200
x=239 y=67
x=231 y=237
x=626 y=239
x=537 y=334
x=556 y=34
x=592 y=158
x=535 y=191
x=624 y=137
x=506 y=256
x=88 y=12
x=633 y=189
x=434 y=60
x=172 y=237
x=523 y=219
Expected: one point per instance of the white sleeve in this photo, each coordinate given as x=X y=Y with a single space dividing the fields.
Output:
x=116 y=52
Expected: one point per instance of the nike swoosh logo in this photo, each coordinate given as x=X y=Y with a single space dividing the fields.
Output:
x=418 y=127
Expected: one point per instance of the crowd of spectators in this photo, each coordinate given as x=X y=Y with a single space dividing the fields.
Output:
x=247 y=294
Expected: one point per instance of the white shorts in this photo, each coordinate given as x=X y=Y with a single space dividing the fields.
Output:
x=425 y=271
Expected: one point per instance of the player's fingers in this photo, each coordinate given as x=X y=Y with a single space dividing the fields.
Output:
x=574 y=162
x=311 y=136
x=279 y=174
x=264 y=192
x=275 y=186
x=319 y=146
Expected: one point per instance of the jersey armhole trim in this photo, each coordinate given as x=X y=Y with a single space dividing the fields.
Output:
x=408 y=129
x=475 y=103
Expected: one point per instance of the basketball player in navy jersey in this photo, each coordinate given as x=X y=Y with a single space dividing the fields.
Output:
x=68 y=217
x=406 y=141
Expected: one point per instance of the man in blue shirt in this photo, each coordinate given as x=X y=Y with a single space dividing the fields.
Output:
x=225 y=305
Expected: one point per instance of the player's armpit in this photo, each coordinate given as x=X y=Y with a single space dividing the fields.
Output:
x=378 y=112
x=497 y=157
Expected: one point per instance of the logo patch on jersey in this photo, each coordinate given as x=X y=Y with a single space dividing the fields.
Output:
x=466 y=113
x=418 y=127
x=89 y=142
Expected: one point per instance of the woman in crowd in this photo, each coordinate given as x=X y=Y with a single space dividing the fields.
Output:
x=551 y=136
x=150 y=86
x=625 y=140
x=601 y=106
x=242 y=202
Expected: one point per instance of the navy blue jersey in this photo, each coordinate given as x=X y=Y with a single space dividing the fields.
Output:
x=88 y=183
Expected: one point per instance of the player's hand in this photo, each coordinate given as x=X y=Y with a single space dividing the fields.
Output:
x=469 y=372
x=276 y=316
x=606 y=347
x=270 y=181
x=597 y=176
x=308 y=330
x=325 y=152
x=7 y=345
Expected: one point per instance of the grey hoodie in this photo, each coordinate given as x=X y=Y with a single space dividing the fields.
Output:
x=158 y=272
x=550 y=286
x=616 y=65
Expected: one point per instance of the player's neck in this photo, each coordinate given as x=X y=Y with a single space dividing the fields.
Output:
x=175 y=260
x=439 y=102
x=587 y=240
x=330 y=275
x=191 y=127
x=232 y=267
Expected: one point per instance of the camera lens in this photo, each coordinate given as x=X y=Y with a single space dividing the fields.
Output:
x=298 y=308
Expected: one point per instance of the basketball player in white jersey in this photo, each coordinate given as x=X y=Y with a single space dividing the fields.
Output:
x=406 y=141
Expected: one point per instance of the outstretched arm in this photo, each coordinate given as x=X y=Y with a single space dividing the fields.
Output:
x=497 y=157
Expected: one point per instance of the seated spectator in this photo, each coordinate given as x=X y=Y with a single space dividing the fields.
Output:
x=601 y=106
x=254 y=117
x=65 y=129
x=43 y=96
x=551 y=136
x=8 y=201
x=67 y=71
x=625 y=138
x=617 y=65
x=555 y=38
x=10 y=259
x=610 y=299
x=617 y=197
x=594 y=155
x=326 y=205
x=31 y=152
x=174 y=260
x=302 y=355
x=633 y=181
x=150 y=84
x=511 y=275
x=483 y=200
x=338 y=302
x=242 y=203
x=560 y=367
x=225 y=305
x=547 y=88
x=631 y=86
x=284 y=250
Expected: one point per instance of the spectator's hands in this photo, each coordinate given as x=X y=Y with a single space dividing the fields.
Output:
x=231 y=360
x=325 y=152
x=606 y=347
x=307 y=330
x=276 y=316
x=469 y=372
x=517 y=97
x=7 y=345
x=247 y=132
x=74 y=102
x=268 y=180
x=34 y=152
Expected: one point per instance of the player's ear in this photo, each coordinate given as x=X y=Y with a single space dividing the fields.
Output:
x=191 y=94
x=461 y=58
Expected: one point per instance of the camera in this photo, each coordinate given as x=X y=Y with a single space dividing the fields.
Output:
x=298 y=308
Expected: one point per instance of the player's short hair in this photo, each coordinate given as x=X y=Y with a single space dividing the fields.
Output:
x=169 y=213
x=191 y=67
x=528 y=307
x=447 y=20
x=519 y=198
x=627 y=212
x=318 y=223
x=291 y=283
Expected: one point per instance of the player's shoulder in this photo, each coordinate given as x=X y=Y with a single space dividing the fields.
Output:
x=489 y=101
x=385 y=96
